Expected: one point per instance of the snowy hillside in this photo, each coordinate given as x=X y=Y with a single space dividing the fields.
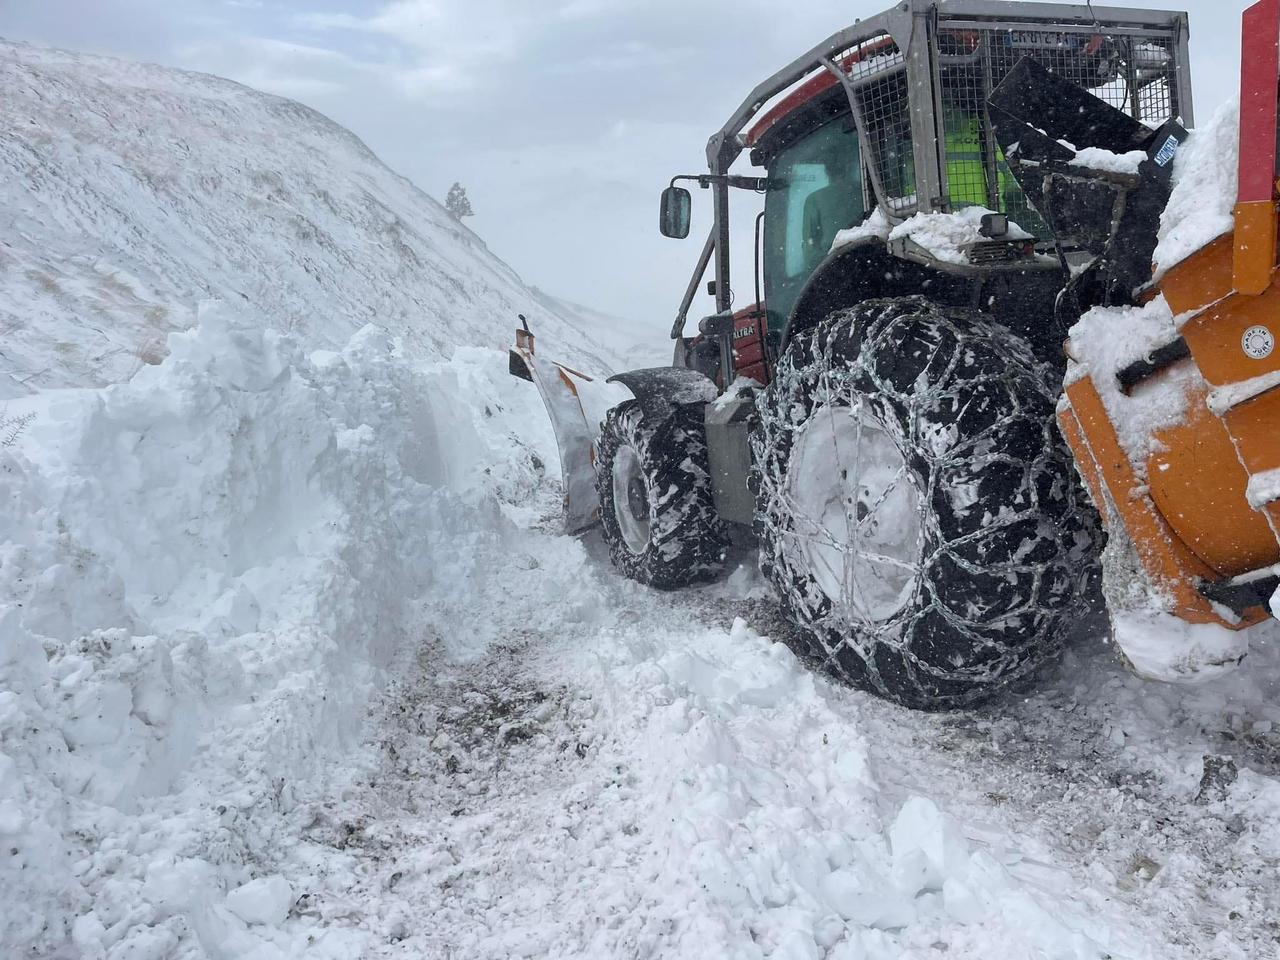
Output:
x=131 y=191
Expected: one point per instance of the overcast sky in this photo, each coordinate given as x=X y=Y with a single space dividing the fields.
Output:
x=563 y=118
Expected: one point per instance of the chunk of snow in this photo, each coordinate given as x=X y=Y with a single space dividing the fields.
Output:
x=1221 y=399
x=740 y=385
x=1205 y=187
x=945 y=235
x=875 y=227
x=1162 y=646
x=948 y=235
x=1106 y=340
x=1264 y=488
x=927 y=848
x=265 y=900
x=1096 y=158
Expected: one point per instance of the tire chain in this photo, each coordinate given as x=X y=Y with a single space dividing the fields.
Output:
x=687 y=539
x=996 y=590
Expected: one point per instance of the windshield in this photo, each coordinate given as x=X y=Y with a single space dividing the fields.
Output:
x=815 y=191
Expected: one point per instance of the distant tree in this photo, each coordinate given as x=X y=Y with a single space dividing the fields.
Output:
x=11 y=428
x=456 y=202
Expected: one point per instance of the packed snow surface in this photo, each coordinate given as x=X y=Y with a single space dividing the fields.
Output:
x=1205 y=186
x=292 y=663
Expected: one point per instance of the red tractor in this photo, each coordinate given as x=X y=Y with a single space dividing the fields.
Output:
x=882 y=421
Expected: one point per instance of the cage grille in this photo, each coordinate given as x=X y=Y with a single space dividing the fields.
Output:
x=879 y=72
x=887 y=116
x=1132 y=73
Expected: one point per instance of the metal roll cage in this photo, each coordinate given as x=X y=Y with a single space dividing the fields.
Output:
x=907 y=21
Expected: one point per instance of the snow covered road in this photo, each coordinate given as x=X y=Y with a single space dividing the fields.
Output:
x=672 y=784
x=381 y=708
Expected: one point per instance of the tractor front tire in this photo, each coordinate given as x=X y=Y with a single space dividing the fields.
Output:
x=917 y=510
x=656 y=510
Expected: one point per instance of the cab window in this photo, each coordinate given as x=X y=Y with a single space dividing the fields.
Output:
x=815 y=191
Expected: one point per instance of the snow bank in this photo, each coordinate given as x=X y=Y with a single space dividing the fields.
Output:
x=205 y=573
x=1205 y=187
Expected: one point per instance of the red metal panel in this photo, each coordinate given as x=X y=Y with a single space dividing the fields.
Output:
x=819 y=83
x=1259 y=72
x=749 y=328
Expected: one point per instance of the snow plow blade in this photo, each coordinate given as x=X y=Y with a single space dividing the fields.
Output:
x=574 y=438
x=1199 y=508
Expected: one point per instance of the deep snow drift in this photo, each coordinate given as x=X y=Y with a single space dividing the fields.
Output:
x=563 y=763
x=131 y=192
x=205 y=572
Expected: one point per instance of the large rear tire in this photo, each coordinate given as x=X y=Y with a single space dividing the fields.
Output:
x=656 y=509
x=917 y=510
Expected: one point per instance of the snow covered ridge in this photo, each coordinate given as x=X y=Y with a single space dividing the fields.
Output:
x=204 y=573
x=132 y=191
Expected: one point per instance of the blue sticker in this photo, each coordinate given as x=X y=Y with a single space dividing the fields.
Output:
x=1167 y=151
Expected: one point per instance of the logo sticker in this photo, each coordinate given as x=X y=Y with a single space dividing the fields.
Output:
x=1166 y=153
x=1258 y=342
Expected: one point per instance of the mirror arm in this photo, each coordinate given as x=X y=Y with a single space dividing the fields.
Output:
x=705 y=180
x=708 y=248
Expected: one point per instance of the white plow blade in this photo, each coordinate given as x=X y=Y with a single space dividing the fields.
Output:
x=574 y=437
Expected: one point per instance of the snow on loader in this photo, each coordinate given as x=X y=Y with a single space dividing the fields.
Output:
x=948 y=189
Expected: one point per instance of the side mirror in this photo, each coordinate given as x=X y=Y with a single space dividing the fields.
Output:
x=673 y=219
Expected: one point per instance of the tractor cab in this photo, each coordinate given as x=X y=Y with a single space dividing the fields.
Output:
x=889 y=119
x=906 y=462
x=817 y=188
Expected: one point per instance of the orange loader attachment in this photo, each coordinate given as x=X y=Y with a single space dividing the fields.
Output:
x=1203 y=511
